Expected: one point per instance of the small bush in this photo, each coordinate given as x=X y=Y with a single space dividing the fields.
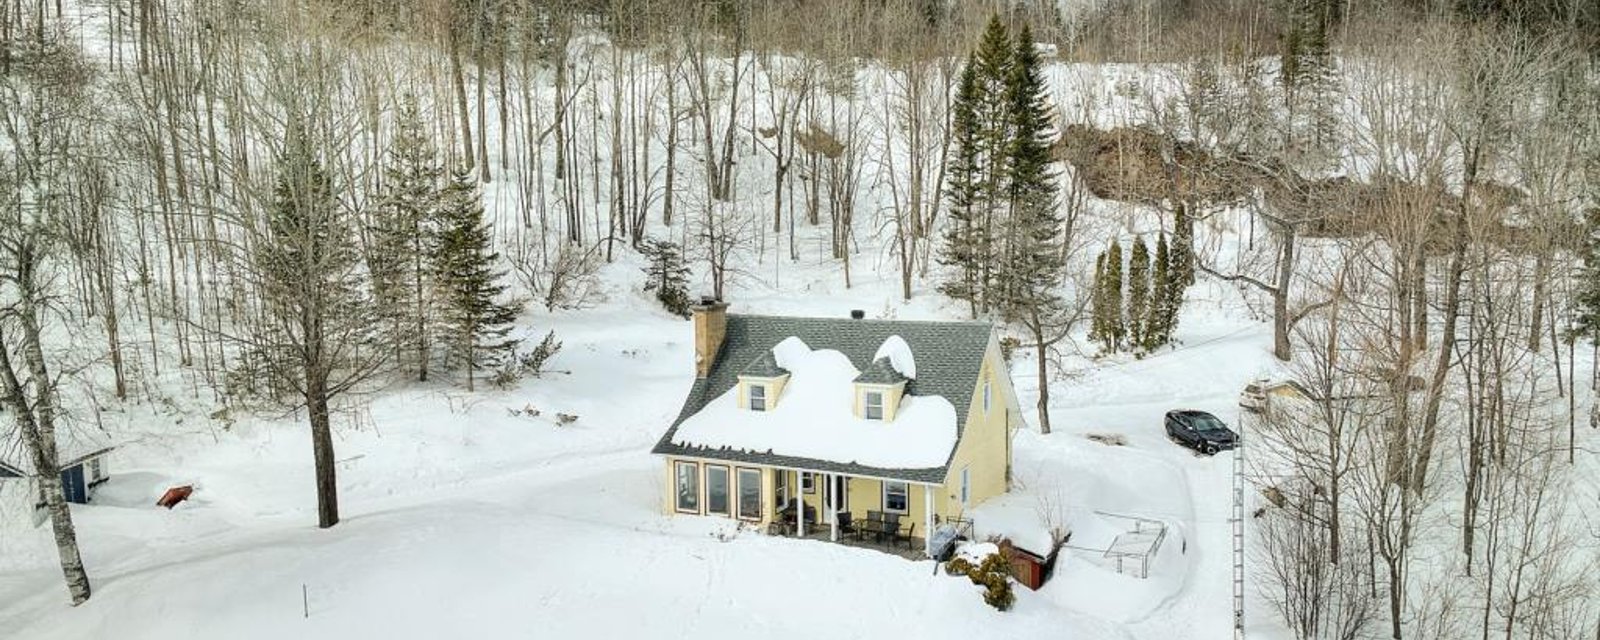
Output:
x=993 y=574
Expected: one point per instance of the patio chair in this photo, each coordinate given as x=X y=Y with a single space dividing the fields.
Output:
x=846 y=527
x=911 y=531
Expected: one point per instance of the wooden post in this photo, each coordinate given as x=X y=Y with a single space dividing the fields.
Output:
x=927 y=533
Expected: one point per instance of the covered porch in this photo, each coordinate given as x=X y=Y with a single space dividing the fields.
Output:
x=872 y=513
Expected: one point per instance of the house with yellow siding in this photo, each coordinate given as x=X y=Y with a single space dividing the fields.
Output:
x=823 y=427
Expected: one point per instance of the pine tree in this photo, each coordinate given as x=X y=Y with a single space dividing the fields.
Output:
x=1160 y=311
x=966 y=238
x=667 y=275
x=402 y=229
x=1112 y=296
x=475 y=324
x=1139 y=295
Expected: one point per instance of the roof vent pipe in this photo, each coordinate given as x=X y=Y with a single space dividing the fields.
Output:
x=857 y=314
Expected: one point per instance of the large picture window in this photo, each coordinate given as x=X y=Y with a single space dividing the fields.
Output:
x=758 y=397
x=896 y=497
x=750 y=494
x=718 y=495
x=872 y=405
x=688 y=487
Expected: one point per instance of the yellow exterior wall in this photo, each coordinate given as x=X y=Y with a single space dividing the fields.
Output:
x=984 y=450
x=985 y=443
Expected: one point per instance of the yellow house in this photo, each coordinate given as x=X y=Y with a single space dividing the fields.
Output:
x=860 y=421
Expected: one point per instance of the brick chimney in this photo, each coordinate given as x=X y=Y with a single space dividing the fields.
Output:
x=710 y=325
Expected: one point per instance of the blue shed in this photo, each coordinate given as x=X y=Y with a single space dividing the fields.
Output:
x=79 y=475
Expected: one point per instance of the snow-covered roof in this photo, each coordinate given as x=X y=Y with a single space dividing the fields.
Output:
x=815 y=418
x=895 y=349
x=948 y=356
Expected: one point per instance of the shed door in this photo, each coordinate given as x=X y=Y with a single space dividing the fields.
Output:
x=73 y=485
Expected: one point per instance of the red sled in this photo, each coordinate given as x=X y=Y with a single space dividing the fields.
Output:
x=175 y=495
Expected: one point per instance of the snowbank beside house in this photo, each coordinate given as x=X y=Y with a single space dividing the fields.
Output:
x=815 y=418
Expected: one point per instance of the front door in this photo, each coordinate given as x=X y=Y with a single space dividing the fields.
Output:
x=841 y=493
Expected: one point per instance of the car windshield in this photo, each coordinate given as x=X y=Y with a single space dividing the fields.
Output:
x=1206 y=422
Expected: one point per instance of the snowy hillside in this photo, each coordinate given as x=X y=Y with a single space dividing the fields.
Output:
x=1398 y=233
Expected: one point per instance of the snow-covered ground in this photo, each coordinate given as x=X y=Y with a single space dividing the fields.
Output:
x=465 y=515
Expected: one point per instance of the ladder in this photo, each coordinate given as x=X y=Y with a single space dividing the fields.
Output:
x=1238 y=534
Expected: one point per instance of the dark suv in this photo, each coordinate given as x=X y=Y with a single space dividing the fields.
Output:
x=1200 y=431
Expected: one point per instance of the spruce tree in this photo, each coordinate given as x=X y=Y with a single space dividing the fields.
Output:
x=1033 y=260
x=966 y=238
x=1139 y=298
x=402 y=229
x=667 y=276
x=1112 y=296
x=994 y=61
x=475 y=323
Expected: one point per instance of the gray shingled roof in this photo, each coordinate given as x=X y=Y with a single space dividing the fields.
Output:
x=764 y=366
x=949 y=357
x=880 y=372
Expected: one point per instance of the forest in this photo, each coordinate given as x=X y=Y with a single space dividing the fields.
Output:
x=290 y=205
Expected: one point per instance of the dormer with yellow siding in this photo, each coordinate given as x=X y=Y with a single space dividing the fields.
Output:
x=879 y=390
x=761 y=384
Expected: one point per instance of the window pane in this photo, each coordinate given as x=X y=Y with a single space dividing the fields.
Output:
x=874 y=406
x=688 y=487
x=808 y=482
x=758 y=397
x=717 y=489
x=749 y=493
x=895 y=496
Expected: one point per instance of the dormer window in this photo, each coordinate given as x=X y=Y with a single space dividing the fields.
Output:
x=758 y=397
x=872 y=405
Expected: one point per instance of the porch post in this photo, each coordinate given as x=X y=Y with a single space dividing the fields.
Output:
x=927 y=532
x=833 y=508
x=799 y=505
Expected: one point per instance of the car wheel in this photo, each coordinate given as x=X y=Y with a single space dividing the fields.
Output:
x=1210 y=449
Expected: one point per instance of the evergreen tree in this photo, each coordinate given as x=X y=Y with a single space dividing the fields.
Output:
x=402 y=229
x=475 y=324
x=1097 y=302
x=1587 y=298
x=966 y=238
x=994 y=61
x=1182 y=249
x=1156 y=324
x=1112 y=297
x=317 y=331
x=1139 y=295
x=1033 y=260
x=667 y=276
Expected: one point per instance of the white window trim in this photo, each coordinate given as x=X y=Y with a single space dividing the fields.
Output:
x=808 y=482
x=885 y=497
x=738 y=493
x=677 y=475
x=866 y=404
x=780 y=483
x=750 y=396
x=986 y=394
x=706 y=484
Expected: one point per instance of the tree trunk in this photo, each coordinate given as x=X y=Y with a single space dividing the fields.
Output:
x=322 y=450
x=461 y=101
x=1044 y=381
x=1280 y=297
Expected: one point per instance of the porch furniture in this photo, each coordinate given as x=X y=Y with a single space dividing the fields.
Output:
x=846 y=526
x=905 y=536
x=786 y=516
